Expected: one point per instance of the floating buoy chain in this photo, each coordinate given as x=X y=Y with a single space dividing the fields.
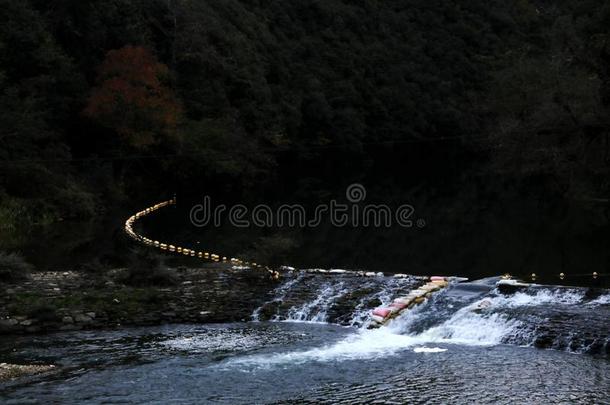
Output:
x=562 y=275
x=183 y=250
x=382 y=315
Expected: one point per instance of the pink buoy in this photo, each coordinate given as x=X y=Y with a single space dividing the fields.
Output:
x=377 y=319
x=382 y=312
x=398 y=305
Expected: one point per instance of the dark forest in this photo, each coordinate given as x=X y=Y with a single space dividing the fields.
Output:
x=500 y=109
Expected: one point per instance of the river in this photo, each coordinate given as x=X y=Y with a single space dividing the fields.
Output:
x=539 y=345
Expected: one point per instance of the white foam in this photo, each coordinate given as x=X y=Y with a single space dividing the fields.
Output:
x=601 y=300
x=339 y=271
x=214 y=342
x=279 y=293
x=464 y=328
x=359 y=346
x=468 y=328
x=316 y=310
x=429 y=350
x=537 y=298
x=546 y=296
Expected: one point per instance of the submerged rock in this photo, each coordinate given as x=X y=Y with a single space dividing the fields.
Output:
x=11 y=371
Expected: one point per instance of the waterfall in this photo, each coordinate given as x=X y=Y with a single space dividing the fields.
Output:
x=278 y=294
x=335 y=296
x=469 y=313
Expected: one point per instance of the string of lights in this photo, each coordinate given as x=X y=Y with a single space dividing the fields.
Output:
x=183 y=250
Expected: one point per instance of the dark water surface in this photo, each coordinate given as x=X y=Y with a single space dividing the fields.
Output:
x=297 y=362
x=470 y=239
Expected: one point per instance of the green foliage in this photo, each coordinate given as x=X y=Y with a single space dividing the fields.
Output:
x=546 y=100
x=94 y=266
x=39 y=91
x=44 y=312
x=13 y=267
x=147 y=268
x=268 y=87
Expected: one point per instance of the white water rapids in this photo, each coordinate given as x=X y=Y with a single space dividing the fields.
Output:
x=458 y=323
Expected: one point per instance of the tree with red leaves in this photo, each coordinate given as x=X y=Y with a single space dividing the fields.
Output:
x=132 y=97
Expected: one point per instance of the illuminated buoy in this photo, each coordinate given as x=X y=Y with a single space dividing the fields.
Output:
x=128 y=228
x=595 y=274
x=533 y=276
x=562 y=276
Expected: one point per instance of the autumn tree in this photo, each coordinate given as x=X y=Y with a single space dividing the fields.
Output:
x=133 y=98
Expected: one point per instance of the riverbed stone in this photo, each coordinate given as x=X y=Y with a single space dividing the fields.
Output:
x=9 y=322
x=10 y=371
x=221 y=293
x=9 y=325
x=81 y=318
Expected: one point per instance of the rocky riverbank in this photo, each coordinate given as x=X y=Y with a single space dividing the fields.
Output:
x=65 y=301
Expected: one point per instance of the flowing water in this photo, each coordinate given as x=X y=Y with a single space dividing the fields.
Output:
x=310 y=344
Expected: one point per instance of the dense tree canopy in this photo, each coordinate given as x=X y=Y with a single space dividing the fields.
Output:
x=131 y=98
x=255 y=93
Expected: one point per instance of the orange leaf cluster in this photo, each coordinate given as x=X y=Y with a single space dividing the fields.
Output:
x=131 y=97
